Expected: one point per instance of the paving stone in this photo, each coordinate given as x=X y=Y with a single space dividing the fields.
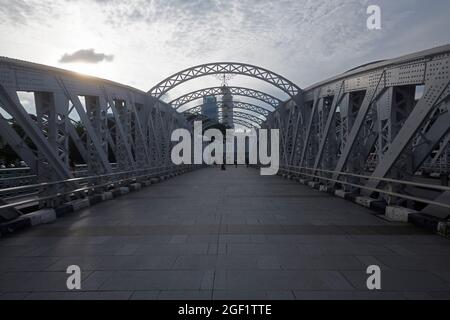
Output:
x=21 y=264
x=195 y=262
x=240 y=295
x=110 y=295
x=404 y=280
x=145 y=295
x=154 y=280
x=185 y=295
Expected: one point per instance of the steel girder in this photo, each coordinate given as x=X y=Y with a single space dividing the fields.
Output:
x=13 y=139
x=250 y=120
x=436 y=135
x=369 y=119
x=245 y=116
x=209 y=124
x=98 y=156
x=36 y=131
x=244 y=123
x=225 y=68
x=113 y=122
x=237 y=120
x=443 y=149
x=236 y=105
x=218 y=91
x=435 y=90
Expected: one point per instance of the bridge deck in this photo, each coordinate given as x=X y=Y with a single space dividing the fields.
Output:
x=233 y=234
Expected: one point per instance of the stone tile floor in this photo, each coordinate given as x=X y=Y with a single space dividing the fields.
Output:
x=231 y=234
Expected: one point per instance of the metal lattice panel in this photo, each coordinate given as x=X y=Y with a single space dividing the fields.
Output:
x=218 y=91
x=244 y=116
x=236 y=105
x=371 y=120
x=225 y=68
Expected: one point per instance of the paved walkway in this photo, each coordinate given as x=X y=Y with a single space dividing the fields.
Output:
x=214 y=234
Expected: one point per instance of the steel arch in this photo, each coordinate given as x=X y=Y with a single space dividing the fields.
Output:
x=225 y=68
x=249 y=119
x=254 y=122
x=218 y=91
x=245 y=123
x=238 y=120
x=237 y=105
x=245 y=116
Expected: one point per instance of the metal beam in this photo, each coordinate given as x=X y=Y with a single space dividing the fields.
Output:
x=218 y=91
x=434 y=91
x=225 y=68
x=331 y=115
x=236 y=105
x=376 y=88
x=87 y=124
x=11 y=103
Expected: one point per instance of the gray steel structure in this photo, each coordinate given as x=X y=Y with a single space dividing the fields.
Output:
x=244 y=119
x=372 y=119
x=225 y=68
x=118 y=122
x=218 y=91
x=246 y=107
x=370 y=112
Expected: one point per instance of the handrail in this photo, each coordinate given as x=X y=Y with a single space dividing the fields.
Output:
x=46 y=184
x=60 y=194
x=410 y=183
x=390 y=193
x=17 y=178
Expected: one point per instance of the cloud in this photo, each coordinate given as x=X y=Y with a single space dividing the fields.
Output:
x=21 y=12
x=86 y=56
x=304 y=40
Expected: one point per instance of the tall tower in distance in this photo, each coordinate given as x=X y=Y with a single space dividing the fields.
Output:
x=210 y=108
x=227 y=107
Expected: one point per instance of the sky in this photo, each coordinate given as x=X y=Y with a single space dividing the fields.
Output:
x=141 y=42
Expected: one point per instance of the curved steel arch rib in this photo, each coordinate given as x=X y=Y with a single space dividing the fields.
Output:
x=245 y=123
x=255 y=123
x=237 y=105
x=218 y=91
x=248 y=119
x=240 y=121
x=245 y=116
x=225 y=68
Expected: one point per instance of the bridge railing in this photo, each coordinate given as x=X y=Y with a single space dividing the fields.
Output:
x=83 y=186
x=350 y=180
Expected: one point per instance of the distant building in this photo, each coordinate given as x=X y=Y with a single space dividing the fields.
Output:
x=210 y=108
x=227 y=107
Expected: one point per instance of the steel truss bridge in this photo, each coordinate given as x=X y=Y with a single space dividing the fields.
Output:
x=369 y=132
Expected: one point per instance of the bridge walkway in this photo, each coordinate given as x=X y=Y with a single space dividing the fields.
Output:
x=214 y=234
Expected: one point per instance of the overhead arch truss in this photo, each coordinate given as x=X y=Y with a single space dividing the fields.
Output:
x=244 y=116
x=225 y=68
x=236 y=106
x=249 y=119
x=389 y=119
x=218 y=91
x=243 y=122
